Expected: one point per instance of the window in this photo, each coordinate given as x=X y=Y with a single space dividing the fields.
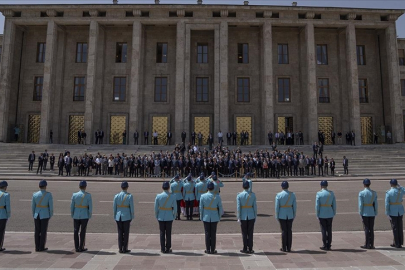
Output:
x=121 y=53
x=322 y=54
x=283 y=53
x=81 y=52
x=41 y=52
x=160 y=89
x=403 y=88
x=120 y=84
x=38 y=86
x=202 y=89
x=243 y=90
x=243 y=53
x=361 y=55
x=161 y=53
x=363 y=91
x=78 y=94
x=202 y=53
x=323 y=89
x=284 y=90
x=401 y=57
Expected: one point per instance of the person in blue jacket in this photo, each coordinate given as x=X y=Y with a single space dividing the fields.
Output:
x=5 y=211
x=325 y=209
x=165 y=212
x=246 y=209
x=81 y=209
x=200 y=188
x=246 y=178
x=123 y=207
x=368 y=209
x=176 y=186
x=42 y=211
x=189 y=197
x=285 y=212
x=395 y=212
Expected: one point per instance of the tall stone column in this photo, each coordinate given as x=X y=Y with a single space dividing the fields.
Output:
x=353 y=82
x=49 y=80
x=136 y=62
x=267 y=81
x=394 y=84
x=91 y=80
x=180 y=89
x=223 y=124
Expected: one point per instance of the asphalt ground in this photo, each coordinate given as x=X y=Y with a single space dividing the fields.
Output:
x=347 y=218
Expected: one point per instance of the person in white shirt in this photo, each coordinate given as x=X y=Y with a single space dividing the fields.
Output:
x=155 y=138
x=220 y=136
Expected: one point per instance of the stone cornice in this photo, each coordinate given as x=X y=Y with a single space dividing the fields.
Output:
x=7 y=13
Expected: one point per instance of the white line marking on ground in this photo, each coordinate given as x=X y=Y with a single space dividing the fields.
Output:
x=304 y=200
x=340 y=213
x=64 y=200
x=24 y=200
x=264 y=201
x=343 y=200
x=146 y=202
x=106 y=201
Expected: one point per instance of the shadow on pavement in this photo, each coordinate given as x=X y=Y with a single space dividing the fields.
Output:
x=388 y=248
x=190 y=254
x=103 y=253
x=348 y=250
x=264 y=215
x=16 y=252
x=232 y=254
x=60 y=252
x=305 y=251
x=271 y=253
x=145 y=254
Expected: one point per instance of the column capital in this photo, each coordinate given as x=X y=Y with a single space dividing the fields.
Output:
x=7 y=13
x=224 y=13
x=136 y=13
x=93 y=12
x=181 y=13
x=310 y=15
x=392 y=17
x=267 y=14
x=51 y=13
x=351 y=16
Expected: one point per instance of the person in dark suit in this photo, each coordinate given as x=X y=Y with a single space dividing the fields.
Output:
x=228 y=138
x=345 y=165
x=333 y=136
x=183 y=136
x=315 y=148
x=79 y=137
x=234 y=135
x=40 y=163
x=146 y=137
x=193 y=137
x=270 y=137
x=52 y=161
x=169 y=137
x=353 y=138
x=100 y=137
x=136 y=136
x=68 y=164
x=51 y=136
x=332 y=164
x=31 y=159
x=96 y=135
x=61 y=164
x=84 y=135
x=210 y=141
x=46 y=157
x=320 y=164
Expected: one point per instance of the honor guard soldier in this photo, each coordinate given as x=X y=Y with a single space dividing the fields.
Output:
x=123 y=213
x=175 y=186
x=42 y=210
x=246 y=209
x=368 y=209
x=285 y=212
x=200 y=188
x=5 y=211
x=210 y=214
x=81 y=209
x=325 y=208
x=189 y=197
x=217 y=184
x=395 y=211
x=246 y=178
x=165 y=212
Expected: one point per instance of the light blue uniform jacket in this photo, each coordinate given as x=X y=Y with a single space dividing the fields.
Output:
x=123 y=210
x=42 y=204
x=200 y=188
x=165 y=206
x=250 y=183
x=368 y=204
x=325 y=206
x=210 y=207
x=217 y=185
x=393 y=201
x=246 y=207
x=286 y=205
x=188 y=191
x=5 y=208
x=175 y=187
x=81 y=207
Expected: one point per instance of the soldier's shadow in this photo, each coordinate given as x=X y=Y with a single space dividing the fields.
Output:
x=188 y=254
x=16 y=252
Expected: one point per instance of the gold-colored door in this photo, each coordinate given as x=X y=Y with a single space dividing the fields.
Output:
x=325 y=125
x=76 y=123
x=285 y=124
x=244 y=124
x=366 y=130
x=118 y=124
x=34 y=125
x=159 y=123
x=202 y=124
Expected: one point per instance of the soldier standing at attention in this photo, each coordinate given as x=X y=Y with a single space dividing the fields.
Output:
x=368 y=209
x=165 y=212
x=200 y=188
x=189 y=197
x=246 y=209
x=210 y=214
x=325 y=208
x=395 y=211
x=42 y=210
x=5 y=211
x=81 y=209
x=123 y=213
x=175 y=186
x=247 y=179
x=285 y=212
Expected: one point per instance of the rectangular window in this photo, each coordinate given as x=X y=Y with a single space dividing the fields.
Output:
x=78 y=93
x=81 y=52
x=323 y=89
x=282 y=53
x=363 y=91
x=120 y=84
x=403 y=88
x=243 y=90
x=160 y=89
x=38 y=86
x=322 y=54
x=121 y=53
x=361 y=55
x=243 y=53
x=161 y=53
x=284 y=92
x=41 y=47
x=202 y=89
x=401 y=57
x=202 y=53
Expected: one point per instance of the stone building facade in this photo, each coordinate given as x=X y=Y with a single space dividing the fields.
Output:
x=207 y=68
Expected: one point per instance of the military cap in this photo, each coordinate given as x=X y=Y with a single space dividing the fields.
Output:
x=324 y=183
x=248 y=174
x=245 y=185
x=124 y=184
x=3 y=184
x=176 y=176
x=166 y=185
x=189 y=178
x=210 y=186
x=213 y=173
x=202 y=174
x=366 y=181
x=394 y=182
x=285 y=184
x=215 y=178
x=43 y=183
x=83 y=183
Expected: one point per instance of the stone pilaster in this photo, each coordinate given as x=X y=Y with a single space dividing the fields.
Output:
x=353 y=82
x=267 y=81
x=223 y=80
x=49 y=80
x=180 y=90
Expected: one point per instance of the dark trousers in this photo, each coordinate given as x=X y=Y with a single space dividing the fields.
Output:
x=52 y=164
x=68 y=167
x=247 y=227
x=41 y=228
x=3 y=223
x=146 y=140
x=210 y=235
x=345 y=170
x=31 y=163
x=165 y=228
x=39 y=168
x=326 y=228
x=286 y=233
x=123 y=234
x=80 y=225
x=189 y=209
x=397 y=230
x=320 y=170
x=60 y=170
x=135 y=141
x=178 y=209
x=368 y=225
x=45 y=163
